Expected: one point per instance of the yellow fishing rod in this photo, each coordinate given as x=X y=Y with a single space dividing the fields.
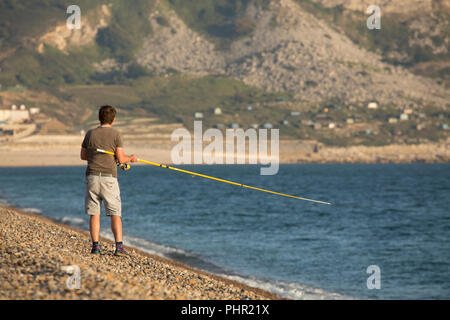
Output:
x=217 y=179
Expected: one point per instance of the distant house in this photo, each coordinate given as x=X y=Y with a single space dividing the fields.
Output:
x=217 y=111
x=308 y=123
x=317 y=126
x=444 y=126
x=198 y=115
x=234 y=126
x=392 y=120
x=350 y=121
x=284 y=122
x=295 y=114
x=404 y=117
x=220 y=126
x=368 y=131
x=408 y=111
x=267 y=125
x=372 y=105
x=249 y=108
x=35 y=110
x=332 y=125
x=420 y=127
x=14 y=115
x=255 y=126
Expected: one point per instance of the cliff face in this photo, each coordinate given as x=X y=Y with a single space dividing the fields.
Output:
x=288 y=49
x=63 y=38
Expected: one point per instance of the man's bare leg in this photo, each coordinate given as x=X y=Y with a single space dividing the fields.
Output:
x=94 y=227
x=116 y=227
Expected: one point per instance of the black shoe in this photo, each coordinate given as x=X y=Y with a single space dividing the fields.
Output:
x=95 y=249
x=120 y=252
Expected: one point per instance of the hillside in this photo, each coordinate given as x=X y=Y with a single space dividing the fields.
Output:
x=169 y=59
x=415 y=33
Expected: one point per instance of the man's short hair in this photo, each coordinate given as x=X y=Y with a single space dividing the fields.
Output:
x=107 y=114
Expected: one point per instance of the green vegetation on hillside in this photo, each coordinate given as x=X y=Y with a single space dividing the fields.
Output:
x=26 y=19
x=222 y=21
x=29 y=19
x=129 y=25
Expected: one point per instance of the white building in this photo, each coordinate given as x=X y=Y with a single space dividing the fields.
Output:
x=14 y=115
x=198 y=115
x=35 y=110
x=372 y=105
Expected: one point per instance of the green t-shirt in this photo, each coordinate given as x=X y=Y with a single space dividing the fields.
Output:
x=105 y=138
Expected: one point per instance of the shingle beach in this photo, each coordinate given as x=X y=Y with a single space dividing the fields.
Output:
x=34 y=252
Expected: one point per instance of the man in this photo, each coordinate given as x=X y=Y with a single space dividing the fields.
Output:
x=101 y=177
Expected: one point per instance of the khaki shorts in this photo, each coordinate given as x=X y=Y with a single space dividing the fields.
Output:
x=104 y=189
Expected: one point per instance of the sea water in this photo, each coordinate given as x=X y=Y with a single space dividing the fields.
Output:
x=392 y=216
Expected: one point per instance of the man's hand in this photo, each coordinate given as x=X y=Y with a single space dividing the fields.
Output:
x=123 y=158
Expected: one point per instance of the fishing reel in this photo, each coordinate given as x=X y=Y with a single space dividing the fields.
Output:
x=123 y=166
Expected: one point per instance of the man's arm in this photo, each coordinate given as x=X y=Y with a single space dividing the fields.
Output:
x=83 y=154
x=123 y=158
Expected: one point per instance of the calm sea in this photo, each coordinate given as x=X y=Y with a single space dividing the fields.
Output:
x=395 y=217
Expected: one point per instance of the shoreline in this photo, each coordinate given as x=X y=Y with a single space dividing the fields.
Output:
x=53 y=156
x=49 y=150
x=35 y=248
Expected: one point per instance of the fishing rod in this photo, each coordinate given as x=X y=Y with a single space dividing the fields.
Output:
x=213 y=178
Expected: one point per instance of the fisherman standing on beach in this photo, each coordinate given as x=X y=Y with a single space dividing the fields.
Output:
x=101 y=177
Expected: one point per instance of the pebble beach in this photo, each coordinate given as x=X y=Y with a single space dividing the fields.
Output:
x=35 y=253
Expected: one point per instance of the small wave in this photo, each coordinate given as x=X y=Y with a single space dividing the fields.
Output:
x=32 y=210
x=291 y=290
x=72 y=221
